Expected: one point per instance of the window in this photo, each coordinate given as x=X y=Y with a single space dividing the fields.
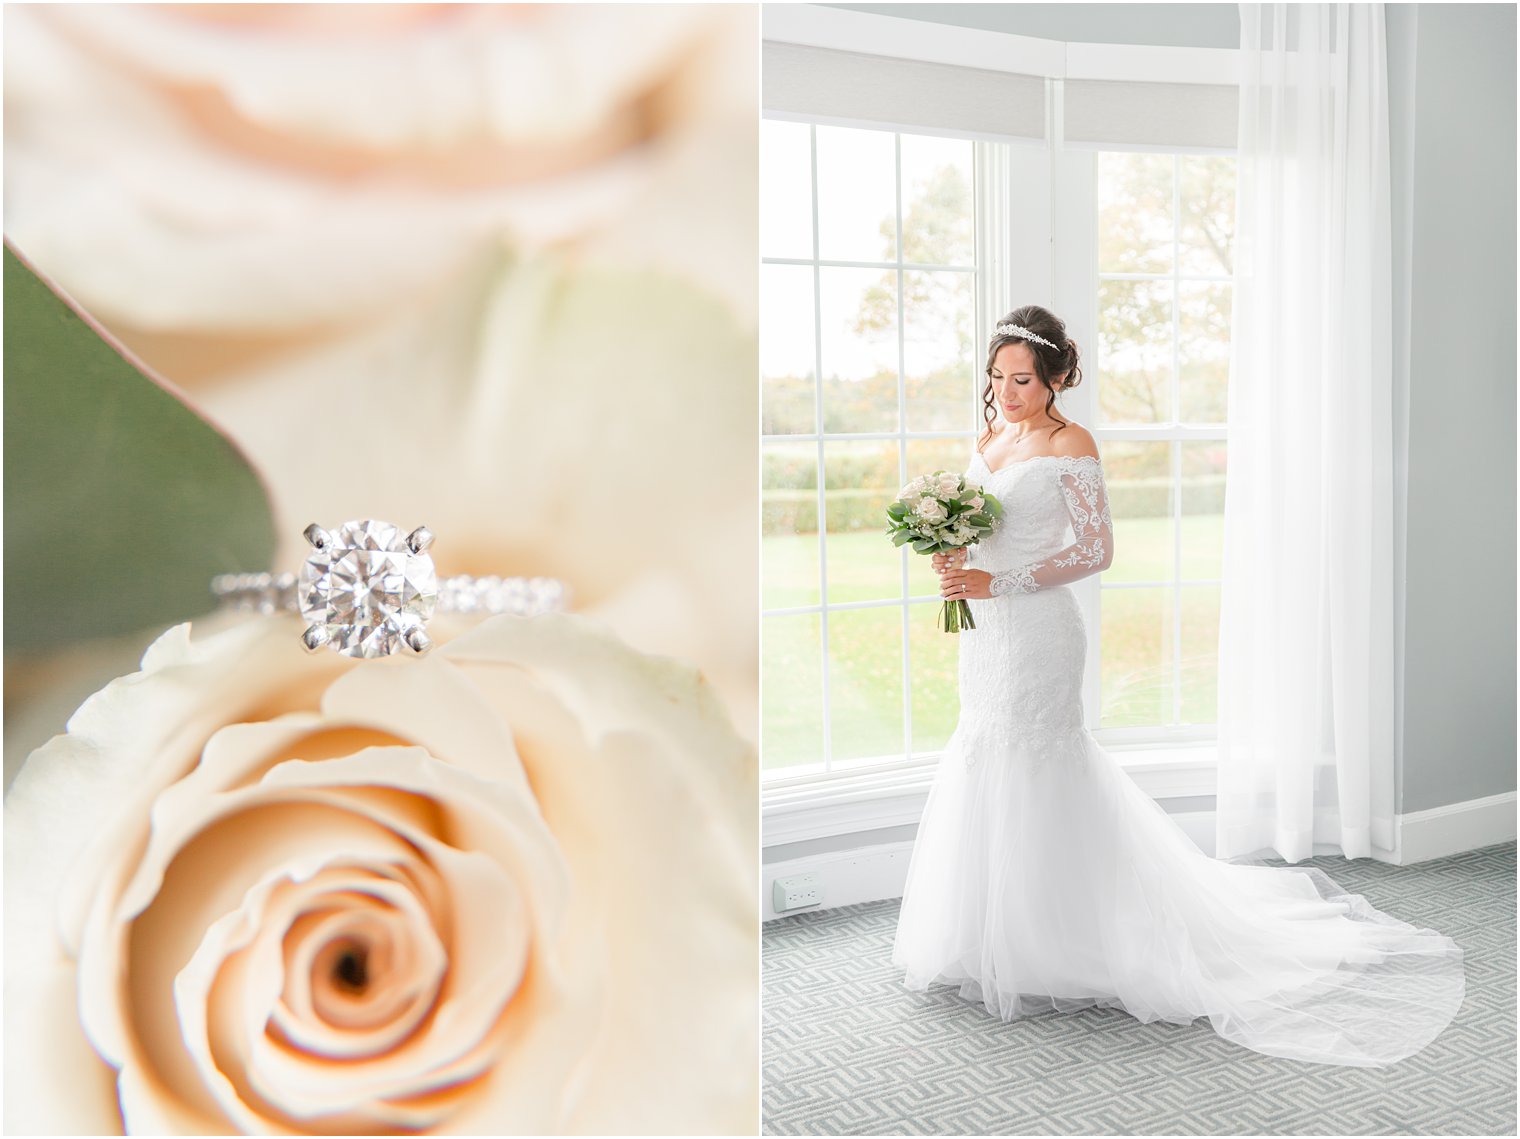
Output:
x=869 y=376
x=1164 y=251
x=906 y=204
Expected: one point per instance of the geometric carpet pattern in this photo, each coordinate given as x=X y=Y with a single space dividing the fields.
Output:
x=846 y=1050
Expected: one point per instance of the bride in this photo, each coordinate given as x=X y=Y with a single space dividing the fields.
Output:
x=1042 y=878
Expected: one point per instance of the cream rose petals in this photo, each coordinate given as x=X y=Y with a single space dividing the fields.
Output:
x=362 y=917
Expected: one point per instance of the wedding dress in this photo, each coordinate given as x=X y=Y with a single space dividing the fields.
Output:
x=1043 y=878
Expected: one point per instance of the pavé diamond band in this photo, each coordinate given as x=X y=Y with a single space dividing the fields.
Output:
x=368 y=589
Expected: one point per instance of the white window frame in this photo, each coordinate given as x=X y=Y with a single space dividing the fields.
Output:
x=913 y=607
x=1074 y=183
x=1051 y=182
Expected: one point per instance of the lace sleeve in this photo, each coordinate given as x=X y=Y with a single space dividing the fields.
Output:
x=1081 y=481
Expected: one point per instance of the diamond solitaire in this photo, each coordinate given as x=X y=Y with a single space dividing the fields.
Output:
x=368 y=589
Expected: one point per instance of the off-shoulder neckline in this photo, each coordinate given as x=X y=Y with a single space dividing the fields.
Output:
x=1033 y=459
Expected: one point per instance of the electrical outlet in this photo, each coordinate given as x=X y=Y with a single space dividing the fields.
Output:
x=796 y=892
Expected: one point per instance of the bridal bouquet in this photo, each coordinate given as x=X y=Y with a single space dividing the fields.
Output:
x=940 y=512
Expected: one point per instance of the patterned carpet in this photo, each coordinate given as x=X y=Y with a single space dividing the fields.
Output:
x=848 y=1051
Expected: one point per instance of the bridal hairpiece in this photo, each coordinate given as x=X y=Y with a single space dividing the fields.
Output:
x=1004 y=328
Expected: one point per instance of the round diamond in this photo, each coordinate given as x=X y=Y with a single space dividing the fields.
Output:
x=367 y=589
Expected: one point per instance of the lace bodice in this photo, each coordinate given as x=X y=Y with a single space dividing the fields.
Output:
x=1056 y=522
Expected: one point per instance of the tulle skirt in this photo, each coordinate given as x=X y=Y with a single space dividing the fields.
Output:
x=1051 y=882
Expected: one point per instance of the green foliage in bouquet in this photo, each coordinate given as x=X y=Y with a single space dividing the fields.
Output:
x=121 y=502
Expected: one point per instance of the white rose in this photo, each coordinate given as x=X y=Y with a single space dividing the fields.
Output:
x=949 y=484
x=508 y=887
x=931 y=509
x=976 y=502
x=177 y=167
x=474 y=212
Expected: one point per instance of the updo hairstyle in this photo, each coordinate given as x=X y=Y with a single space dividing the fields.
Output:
x=1049 y=363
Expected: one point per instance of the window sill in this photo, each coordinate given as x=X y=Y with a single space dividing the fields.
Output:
x=850 y=803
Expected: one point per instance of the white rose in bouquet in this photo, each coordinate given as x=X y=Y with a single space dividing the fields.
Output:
x=931 y=509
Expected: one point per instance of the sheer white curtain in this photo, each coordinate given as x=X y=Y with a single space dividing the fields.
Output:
x=1306 y=679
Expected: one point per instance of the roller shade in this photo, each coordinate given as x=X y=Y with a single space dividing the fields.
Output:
x=828 y=83
x=1120 y=112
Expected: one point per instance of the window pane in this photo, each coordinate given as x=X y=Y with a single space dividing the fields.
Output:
x=789 y=525
x=1135 y=233
x=1135 y=351
x=924 y=456
x=1138 y=477
x=935 y=659
x=938 y=226
x=857 y=194
x=861 y=480
x=786 y=196
x=859 y=314
x=939 y=374
x=1200 y=654
x=1206 y=203
x=1203 y=350
x=787 y=350
x=1203 y=471
x=865 y=684
x=1137 y=657
x=791 y=699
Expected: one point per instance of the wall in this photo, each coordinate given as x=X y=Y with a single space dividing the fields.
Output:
x=1459 y=666
x=1451 y=84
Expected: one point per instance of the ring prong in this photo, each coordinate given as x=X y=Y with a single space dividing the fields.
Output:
x=319 y=538
x=417 y=640
x=315 y=637
x=419 y=539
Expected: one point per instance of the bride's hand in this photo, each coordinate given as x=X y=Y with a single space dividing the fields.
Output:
x=963 y=584
x=955 y=559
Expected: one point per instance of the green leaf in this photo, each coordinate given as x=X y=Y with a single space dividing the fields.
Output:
x=121 y=503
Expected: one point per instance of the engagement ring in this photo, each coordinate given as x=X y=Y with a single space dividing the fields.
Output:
x=368 y=589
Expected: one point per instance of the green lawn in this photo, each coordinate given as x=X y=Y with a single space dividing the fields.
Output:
x=866 y=675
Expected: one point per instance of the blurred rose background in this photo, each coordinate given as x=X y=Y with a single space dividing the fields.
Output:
x=491 y=268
